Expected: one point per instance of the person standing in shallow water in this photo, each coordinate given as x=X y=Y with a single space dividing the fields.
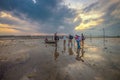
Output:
x=78 y=39
x=56 y=38
x=64 y=43
x=70 y=40
x=64 y=40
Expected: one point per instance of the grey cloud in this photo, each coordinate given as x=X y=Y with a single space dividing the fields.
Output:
x=9 y=21
x=91 y=6
x=111 y=23
x=49 y=13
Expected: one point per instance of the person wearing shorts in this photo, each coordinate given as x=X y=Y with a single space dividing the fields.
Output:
x=56 y=38
x=70 y=40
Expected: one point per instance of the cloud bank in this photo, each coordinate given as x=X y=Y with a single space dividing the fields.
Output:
x=62 y=16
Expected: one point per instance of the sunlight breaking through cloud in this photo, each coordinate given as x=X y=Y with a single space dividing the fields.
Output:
x=88 y=20
x=62 y=16
x=88 y=25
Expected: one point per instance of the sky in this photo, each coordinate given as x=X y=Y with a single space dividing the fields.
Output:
x=40 y=17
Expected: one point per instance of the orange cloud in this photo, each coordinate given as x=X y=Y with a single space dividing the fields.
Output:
x=10 y=17
x=19 y=26
x=5 y=28
x=4 y=14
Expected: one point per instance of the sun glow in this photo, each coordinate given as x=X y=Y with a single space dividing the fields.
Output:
x=5 y=28
x=4 y=14
x=88 y=25
x=88 y=20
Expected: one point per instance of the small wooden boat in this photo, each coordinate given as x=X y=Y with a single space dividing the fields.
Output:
x=50 y=42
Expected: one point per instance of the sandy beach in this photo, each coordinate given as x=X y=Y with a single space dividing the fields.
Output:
x=32 y=59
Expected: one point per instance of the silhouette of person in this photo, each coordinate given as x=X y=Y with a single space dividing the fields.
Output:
x=56 y=38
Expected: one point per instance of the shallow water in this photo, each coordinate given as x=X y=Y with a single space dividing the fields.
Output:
x=32 y=59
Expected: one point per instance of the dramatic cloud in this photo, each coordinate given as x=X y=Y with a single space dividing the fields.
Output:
x=62 y=16
x=10 y=24
x=98 y=15
x=49 y=14
x=88 y=20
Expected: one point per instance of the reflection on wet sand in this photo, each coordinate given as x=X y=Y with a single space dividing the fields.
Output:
x=29 y=59
x=70 y=50
x=82 y=52
x=78 y=56
x=56 y=54
x=64 y=49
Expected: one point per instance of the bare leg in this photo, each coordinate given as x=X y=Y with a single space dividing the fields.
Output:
x=56 y=43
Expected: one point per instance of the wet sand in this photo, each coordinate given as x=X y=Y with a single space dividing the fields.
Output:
x=32 y=59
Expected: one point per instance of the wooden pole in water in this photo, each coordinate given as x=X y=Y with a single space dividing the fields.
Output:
x=103 y=33
x=90 y=37
x=104 y=36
